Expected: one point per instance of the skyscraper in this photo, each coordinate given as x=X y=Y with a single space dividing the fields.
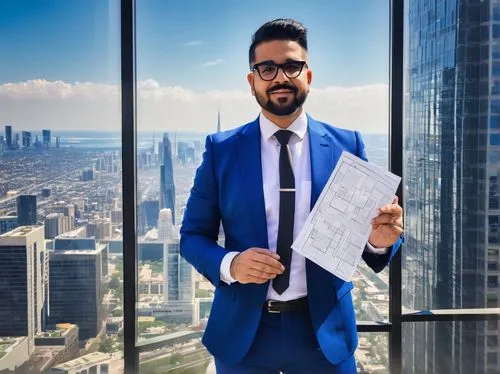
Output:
x=180 y=282
x=22 y=275
x=165 y=225
x=46 y=138
x=26 y=139
x=218 y=119
x=7 y=223
x=148 y=215
x=76 y=289
x=54 y=225
x=8 y=136
x=164 y=235
x=452 y=165
x=167 y=188
x=26 y=210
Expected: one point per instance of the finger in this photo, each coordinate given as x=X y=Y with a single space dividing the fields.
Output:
x=267 y=260
x=266 y=268
x=260 y=274
x=391 y=208
x=395 y=199
x=267 y=252
x=392 y=227
x=384 y=218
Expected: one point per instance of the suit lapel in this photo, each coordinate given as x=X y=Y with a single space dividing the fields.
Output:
x=324 y=154
x=249 y=156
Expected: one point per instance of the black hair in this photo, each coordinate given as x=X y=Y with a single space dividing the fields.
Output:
x=278 y=29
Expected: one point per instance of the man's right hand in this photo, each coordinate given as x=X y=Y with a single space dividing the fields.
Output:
x=256 y=265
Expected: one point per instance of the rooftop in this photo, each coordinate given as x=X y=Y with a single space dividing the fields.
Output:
x=8 y=343
x=90 y=359
x=20 y=232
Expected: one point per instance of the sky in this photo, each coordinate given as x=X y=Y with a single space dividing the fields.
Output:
x=61 y=69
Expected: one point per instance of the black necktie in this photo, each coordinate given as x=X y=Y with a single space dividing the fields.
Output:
x=287 y=211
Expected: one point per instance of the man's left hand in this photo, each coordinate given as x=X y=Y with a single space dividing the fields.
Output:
x=387 y=226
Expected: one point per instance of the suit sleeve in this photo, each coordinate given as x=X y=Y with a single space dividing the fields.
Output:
x=200 y=225
x=376 y=261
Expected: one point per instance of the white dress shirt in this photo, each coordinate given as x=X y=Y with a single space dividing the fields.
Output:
x=298 y=147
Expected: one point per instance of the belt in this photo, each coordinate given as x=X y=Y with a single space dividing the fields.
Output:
x=275 y=306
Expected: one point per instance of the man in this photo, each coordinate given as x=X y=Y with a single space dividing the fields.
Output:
x=273 y=309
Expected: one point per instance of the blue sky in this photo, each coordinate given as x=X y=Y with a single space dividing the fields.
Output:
x=60 y=64
x=196 y=44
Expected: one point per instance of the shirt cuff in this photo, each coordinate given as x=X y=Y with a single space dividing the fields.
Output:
x=372 y=249
x=225 y=268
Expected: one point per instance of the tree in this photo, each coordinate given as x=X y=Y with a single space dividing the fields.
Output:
x=106 y=345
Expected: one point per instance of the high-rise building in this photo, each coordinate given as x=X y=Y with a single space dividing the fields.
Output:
x=452 y=169
x=69 y=212
x=148 y=215
x=7 y=223
x=8 y=136
x=54 y=225
x=181 y=152
x=46 y=138
x=165 y=225
x=167 y=188
x=180 y=279
x=26 y=210
x=218 y=119
x=46 y=192
x=100 y=229
x=22 y=275
x=87 y=175
x=64 y=243
x=26 y=139
x=76 y=289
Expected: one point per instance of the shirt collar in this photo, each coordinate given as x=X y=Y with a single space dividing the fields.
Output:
x=268 y=128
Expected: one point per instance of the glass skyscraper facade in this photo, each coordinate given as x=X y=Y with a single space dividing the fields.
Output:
x=76 y=291
x=22 y=279
x=26 y=210
x=180 y=275
x=167 y=188
x=451 y=169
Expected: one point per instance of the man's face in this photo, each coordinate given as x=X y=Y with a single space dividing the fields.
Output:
x=284 y=94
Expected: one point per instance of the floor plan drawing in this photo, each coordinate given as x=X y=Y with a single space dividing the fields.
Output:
x=337 y=229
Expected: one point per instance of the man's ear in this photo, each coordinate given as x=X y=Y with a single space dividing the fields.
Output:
x=250 y=78
x=309 y=76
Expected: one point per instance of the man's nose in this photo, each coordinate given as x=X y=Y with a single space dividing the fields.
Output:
x=281 y=76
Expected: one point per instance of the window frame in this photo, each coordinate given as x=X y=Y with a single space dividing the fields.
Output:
x=129 y=124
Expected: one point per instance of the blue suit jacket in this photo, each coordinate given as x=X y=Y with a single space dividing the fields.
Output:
x=228 y=187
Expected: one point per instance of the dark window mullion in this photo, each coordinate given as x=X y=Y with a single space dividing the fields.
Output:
x=396 y=166
x=128 y=90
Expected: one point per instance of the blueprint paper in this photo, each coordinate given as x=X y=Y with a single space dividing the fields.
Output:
x=337 y=229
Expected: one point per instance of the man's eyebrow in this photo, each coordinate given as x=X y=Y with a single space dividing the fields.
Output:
x=265 y=62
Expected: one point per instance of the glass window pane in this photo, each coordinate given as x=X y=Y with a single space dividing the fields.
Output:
x=192 y=81
x=60 y=187
x=450 y=347
x=372 y=355
x=450 y=170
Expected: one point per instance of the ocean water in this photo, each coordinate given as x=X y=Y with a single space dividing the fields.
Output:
x=95 y=139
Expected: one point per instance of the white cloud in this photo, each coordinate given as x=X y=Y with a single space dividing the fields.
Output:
x=60 y=105
x=193 y=43
x=215 y=62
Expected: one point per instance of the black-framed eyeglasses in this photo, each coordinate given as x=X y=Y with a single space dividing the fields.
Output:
x=268 y=70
